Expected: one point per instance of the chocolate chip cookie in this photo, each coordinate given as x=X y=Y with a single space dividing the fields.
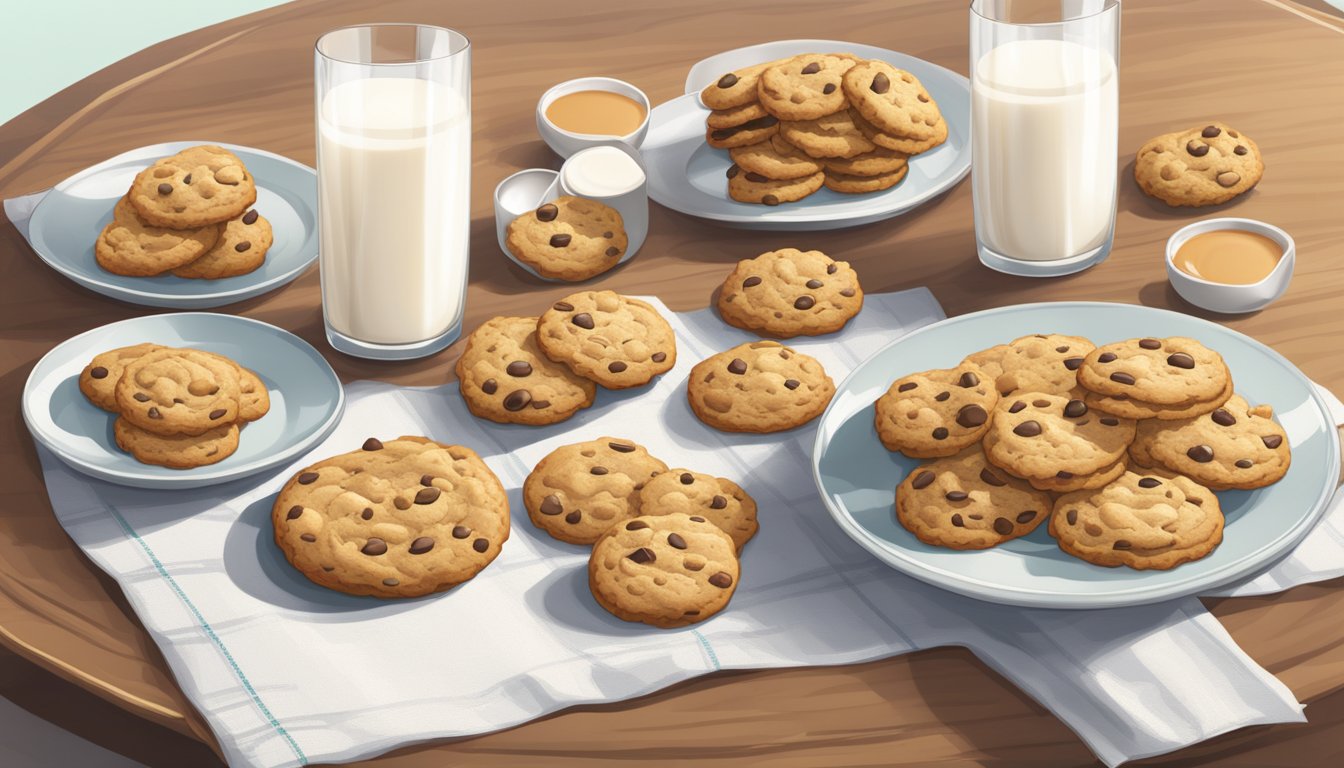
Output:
x=241 y=248
x=579 y=491
x=1141 y=521
x=196 y=187
x=1205 y=165
x=750 y=132
x=179 y=392
x=903 y=144
x=1067 y=482
x=936 y=413
x=735 y=116
x=805 y=87
x=505 y=377
x=831 y=136
x=98 y=381
x=128 y=246
x=1234 y=446
x=1130 y=408
x=717 y=499
x=664 y=570
x=879 y=162
x=615 y=340
x=748 y=187
x=847 y=184
x=964 y=502
x=893 y=101
x=570 y=239
x=789 y=292
x=1042 y=362
x=1174 y=370
x=736 y=88
x=775 y=159
x=176 y=451
x=1035 y=435
x=761 y=386
x=398 y=519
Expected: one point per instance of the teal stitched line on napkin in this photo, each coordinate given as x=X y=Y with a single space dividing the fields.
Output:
x=247 y=685
x=713 y=657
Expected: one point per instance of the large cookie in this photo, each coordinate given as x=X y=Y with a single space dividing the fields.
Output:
x=1141 y=520
x=898 y=143
x=736 y=88
x=196 y=187
x=241 y=249
x=664 y=570
x=579 y=491
x=128 y=246
x=774 y=159
x=717 y=499
x=831 y=136
x=805 y=87
x=964 y=502
x=179 y=392
x=1234 y=446
x=1170 y=371
x=615 y=340
x=98 y=381
x=761 y=386
x=1037 y=363
x=789 y=292
x=750 y=132
x=936 y=413
x=748 y=187
x=571 y=238
x=892 y=100
x=505 y=377
x=398 y=519
x=1206 y=165
x=1036 y=435
x=176 y=451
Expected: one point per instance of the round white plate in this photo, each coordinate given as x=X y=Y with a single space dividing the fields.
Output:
x=857 y=476
x=67 y=221
x=306 y=398
x=687 y=175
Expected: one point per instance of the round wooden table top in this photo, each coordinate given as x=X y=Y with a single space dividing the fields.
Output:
x=1272 y=68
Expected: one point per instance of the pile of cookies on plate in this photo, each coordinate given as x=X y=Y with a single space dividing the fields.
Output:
x=570 y=238
x=836 y=120
x=1121 y=446
x=188 y=215
x=177 y=408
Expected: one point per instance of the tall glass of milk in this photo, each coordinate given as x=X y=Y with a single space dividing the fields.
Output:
x=393 y=113
x=1044 y=124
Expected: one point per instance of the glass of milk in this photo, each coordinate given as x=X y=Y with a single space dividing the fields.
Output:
x=1044 y=124
x=393 y=113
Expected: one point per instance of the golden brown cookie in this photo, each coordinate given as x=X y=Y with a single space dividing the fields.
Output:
x=578 y=491
x=1035 y=435
x=774 y=159
x=128 y=246
x=571 y=238
x=736 y=88
x=196 y=187
x=964 y=502
x=179 y=392
x=936 y=413
x=1163 y=371
x=831 y=136
x=760 y=386
x=241 y=248
x=1205 y=165
x=717 y=499
x=893 y=101
x=879 y=162
x=789 y=292
x=898 y=143
x=505 y=377
x=859 y=185
x=1039 y=362
x=176 y=451
x=747 y=187
x=750 y=132
x=98 y=381
x=735 y=116
x=805 y=87
x=614 y=340
x=1129 y=408
x=1234 y=446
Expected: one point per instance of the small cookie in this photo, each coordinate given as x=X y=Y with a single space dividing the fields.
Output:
x=737 y=88
x=1042 y=362
x=1234 y=446
x=774 y=159
x=879 y=162
x=892 y=100
x=505 y=377
x=98 y=381
x=832 y=136
x=731 y=118
x=403 y=518
x=179 y=392
x=665 y=570
x=750 y=132
x=241 y=248
x=1171 y=371
x=717 y=499
x=196 y=187
x=616 y=341
x=859 y=185
x=571 y=238
x=789 y=292
x=1036 y=435
x=1121 y=405
x=964 y=502
x=805 y=87
x=761 y=386
x=898 y=143
x=1141 y=520
x=936 y=413
x=1067 y=482
x=128 y=246
x=579 y=491
x=176 y=451
x=747 y=187
x=1207 y=165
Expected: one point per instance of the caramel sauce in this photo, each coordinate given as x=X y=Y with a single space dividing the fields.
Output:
x=599 y=113
x=1229 y=256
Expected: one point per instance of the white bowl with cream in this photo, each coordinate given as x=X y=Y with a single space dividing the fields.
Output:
x=592 y=111
x=1230 y=265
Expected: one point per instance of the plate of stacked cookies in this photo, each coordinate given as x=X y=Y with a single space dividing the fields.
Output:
x=809 y=135
x=1077 y=455
x=185 y=225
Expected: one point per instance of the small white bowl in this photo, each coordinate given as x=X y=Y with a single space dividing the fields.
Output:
x=566 y=143
x=1222 y=297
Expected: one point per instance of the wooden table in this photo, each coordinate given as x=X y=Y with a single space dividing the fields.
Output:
x=1272 y=68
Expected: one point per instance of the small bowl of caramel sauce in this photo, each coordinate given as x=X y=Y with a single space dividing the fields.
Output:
x=1230 y=265
x=592 y=111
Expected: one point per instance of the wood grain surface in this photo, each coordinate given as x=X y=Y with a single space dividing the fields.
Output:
x=1269 y=67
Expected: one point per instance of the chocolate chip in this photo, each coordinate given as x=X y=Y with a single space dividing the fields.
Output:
x=751 y=281
x=1245 y=463
x=721 y=580
x=828 y=88
x=461 y=531
x=218 y=413
x=519 y=368
x=907 y=386
x=968 y=380
x=957 y=521
x=718 y=502
x=1122 y=544
x=1222 y=418
x=972 y=416
x=757 y=178
x=308 y=537
x=658 y=357
x=612 y=251
x=686 y=478
x=1017 y=406
x=1272 y=441
x=490 y=386
x=373 y=444
x=367 y=514
x=250 y=217
x=547 y=212
x=616 y=366
x=551 y=505
x=1149 y=482
x=847 y=293
x=1062 y=475
x=401 y=503
x=881 y=84
x=154 y=413
x=770 y=200
x=733 y=170
x=1200 y=453
x=1210 y=131
x=243 y=246
x=608 y=234
x=812 y=69
x=941 y=396
x=992 y=479
x=621 y=447
x=1106 y=357
x=1240 y=150
x=728 y=80
x=1003 y=526
x=1075 y=408
x=1026 y=517
x=814 y=284
x=583 y=320
x=724 y=133
x=307 y=477
x=421 y=545
x=1071 y=516
x=1027 y=429
x=1196 y=149
x=1041 y=403
x=1120 y=377
x=804 y=302
x=427 y=495
x=1181 y=360
x=697 y=518
x=165 y=188
x=737 y=366
x=1110 y=421
x=99 y=372
x=560 y=240
x=676 y=541
x=563 y=306
x=922 y=480
x=1228 y=179
x=792 y=383
x=599 y=470
x=643 y=555
x=635 y=525
x=374 y=547
x=940 y=433
x=480 y=545
x=1150 y=343
x=517 y=400
x=187 y=180
x=1073 y=363
x=831 y=268
x=957 y=496
x=294 y=512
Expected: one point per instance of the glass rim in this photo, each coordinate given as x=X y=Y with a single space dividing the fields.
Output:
x=455 y=50
x=1107 y=7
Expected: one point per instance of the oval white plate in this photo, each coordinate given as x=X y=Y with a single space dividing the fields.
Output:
x=67 y=221
x=857 y=476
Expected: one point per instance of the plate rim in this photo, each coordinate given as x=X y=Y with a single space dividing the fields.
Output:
x=196 y=476
x=153 y=298
x=1129 y=596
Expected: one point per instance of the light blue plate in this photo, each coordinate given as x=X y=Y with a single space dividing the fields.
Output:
x=306 y=398
x=858 y=477
x=67 y=221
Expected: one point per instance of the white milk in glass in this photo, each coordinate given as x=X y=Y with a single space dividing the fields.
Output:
x=1044 y=150
x=394 y=169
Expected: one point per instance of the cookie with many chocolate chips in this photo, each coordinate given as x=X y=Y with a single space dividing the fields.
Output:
x=129 y=246
x=179 y=392
x=579 y=491
x=615 y=340
x=1142 y=521
x=717 y=499
x=774 y=159
x=398 y=519
x=1205 y=165
x=1040 y=362
x=196 y=187
x=664 y=570
x=936 y=413
x=750 y=132
x=749 y=187
x=893 y=101
x=505 y=377
x=1161 y=371
x=805 y=87
x=761 y=386
x=789 y=293
x=241 y=248
x=176 y=451
x=1035 y=435
x=98 y=380
x=964 y=502
x=736 y=88
x=570 y=238
x=1233 y=446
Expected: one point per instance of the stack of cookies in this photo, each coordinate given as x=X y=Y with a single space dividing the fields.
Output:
x=178 y=408
x=570 y=238
x=1121 y=446
x=835 y=120
x=189 y=215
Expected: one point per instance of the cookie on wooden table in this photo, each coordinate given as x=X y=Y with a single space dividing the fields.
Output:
x=1233 y=446
x=179 y=392
x=614 y=340
x=760 y=386
x=578 y=491
x=505 y=377
x=788 y=292
x=196 y=187
x=129 y=246
x=98 y=380
x=717 y=499
x=241 y=248
x=936 y=413
x=1205 y=165
x=571 y=238
x=964 y=502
